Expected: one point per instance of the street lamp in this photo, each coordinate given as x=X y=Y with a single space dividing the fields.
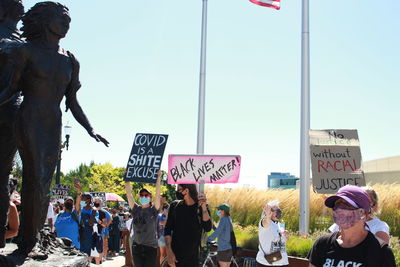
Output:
x=65 y=144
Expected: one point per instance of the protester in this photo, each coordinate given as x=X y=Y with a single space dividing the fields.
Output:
x=12 y=215
x=50 y=215
x=223 y=233
x=353 y=244
x=379 y=228
x=129 y=241
x=187 y=220
x=67 y=222
x=161 y=221
x=272 y=239
x=102 y=225
x=124 y=230
x=144 y=224
x=89 y=217
x=114 y=238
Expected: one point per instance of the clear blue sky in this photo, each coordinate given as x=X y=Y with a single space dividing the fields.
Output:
x=140 y=73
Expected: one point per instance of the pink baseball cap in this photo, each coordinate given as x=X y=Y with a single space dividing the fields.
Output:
x=354 y=195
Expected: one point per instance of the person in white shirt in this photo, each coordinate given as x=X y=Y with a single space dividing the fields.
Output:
x=379 y=228
x=271 y=237
x=50 y=216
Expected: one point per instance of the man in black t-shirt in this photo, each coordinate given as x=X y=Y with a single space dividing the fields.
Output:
x=187 y=219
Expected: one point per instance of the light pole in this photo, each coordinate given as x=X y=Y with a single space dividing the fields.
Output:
x=65 y=144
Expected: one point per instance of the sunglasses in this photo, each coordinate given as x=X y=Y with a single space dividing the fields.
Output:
x=144 y=195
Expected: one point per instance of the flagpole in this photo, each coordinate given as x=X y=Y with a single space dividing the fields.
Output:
x=305 y=123
x=202 y=87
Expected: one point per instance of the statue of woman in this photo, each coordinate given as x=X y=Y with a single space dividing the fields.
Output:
x=44 y=73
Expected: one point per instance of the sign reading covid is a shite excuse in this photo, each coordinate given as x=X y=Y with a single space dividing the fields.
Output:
x=335 y=160
x=145 y=158
x=61 y=190
x=194 y=169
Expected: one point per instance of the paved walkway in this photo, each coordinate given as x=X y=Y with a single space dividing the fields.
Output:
x=118 y=261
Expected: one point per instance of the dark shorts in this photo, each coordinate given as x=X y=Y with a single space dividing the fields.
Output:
x=225 y=255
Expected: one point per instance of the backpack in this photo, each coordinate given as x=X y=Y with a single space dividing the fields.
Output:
x=80 y=226
x=233 y=241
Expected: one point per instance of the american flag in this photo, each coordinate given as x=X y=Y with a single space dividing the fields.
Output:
x=276 y=4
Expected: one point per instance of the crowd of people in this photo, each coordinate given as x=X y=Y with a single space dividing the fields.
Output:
x=151 y=231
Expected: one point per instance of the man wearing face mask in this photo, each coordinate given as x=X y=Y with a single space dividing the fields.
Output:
x=188 y=218
x=67 y=222
x=89 y=216
x=102 y=224
x=353 y=245
x=144 y=224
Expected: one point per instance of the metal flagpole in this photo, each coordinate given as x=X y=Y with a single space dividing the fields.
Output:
x=305 y=123
x=202 y=87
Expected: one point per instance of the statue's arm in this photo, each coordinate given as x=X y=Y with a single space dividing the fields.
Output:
x=73 y=104
x=10 y=76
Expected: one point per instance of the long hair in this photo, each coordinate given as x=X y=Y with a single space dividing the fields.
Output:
x=36 y=20
x=13 y=9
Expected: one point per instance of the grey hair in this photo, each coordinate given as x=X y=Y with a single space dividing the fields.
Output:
x=271 y=204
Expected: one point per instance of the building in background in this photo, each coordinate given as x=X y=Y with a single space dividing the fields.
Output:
x=282 y=180
x=382 y=171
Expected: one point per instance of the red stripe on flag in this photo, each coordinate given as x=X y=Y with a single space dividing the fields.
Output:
x=277 y=7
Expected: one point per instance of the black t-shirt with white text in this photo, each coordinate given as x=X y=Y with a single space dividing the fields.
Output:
x=327 y=252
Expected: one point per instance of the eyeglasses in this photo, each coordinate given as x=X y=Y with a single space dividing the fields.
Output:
x=144 y=195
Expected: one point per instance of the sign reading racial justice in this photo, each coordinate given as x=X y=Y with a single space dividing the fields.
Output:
x=193 y=169
x=335 y=160
x=145 y=158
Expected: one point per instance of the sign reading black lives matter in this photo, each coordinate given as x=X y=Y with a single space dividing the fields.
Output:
x=335 y=160
x=61 y=190
x=145 y=158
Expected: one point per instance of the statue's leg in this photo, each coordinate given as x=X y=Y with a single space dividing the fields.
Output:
x=38 y=148
x=7 y=152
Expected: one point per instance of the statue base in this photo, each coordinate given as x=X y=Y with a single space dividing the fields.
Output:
x=48 y=252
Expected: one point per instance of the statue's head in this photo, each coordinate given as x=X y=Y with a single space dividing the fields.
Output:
x=46 y=18
x=11 y=10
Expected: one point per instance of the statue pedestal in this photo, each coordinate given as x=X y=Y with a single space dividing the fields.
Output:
x=55 y=259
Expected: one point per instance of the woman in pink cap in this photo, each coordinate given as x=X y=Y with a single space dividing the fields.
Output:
x=352 y=245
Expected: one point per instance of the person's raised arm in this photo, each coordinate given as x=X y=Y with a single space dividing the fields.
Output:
x=129 y=195
x=78 y=197
x=158 y=190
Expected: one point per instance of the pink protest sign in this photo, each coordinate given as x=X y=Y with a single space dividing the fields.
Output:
x=192 y=169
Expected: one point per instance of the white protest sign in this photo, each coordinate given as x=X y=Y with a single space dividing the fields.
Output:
x=335 y=160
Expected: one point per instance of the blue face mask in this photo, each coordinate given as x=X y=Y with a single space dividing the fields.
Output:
x=83 y=204
x=144 y=200
x=218 y=212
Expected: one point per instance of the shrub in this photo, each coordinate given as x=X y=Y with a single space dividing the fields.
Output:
x=246 y=206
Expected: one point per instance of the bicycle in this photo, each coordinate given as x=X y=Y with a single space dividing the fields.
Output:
x=208 y=257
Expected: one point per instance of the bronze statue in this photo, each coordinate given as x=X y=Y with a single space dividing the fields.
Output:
x=44 y=73
x=11 y=12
